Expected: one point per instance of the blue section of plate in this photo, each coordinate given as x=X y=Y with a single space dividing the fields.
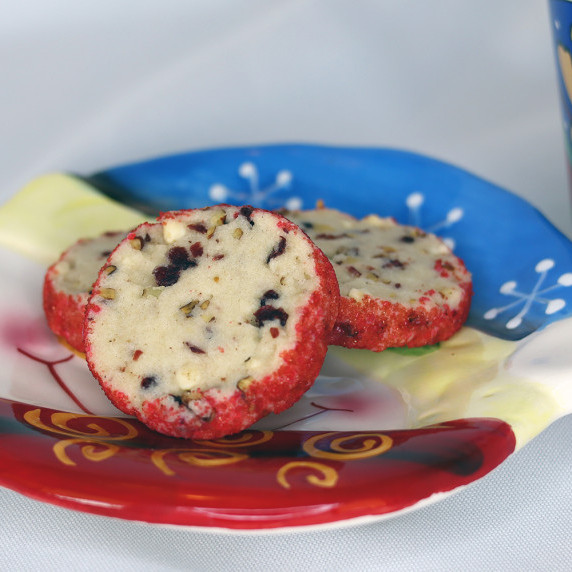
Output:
x=521 y=265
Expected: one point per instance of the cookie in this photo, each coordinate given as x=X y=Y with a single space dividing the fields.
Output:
x=207 y=320
x=68 y=283
x=400 y=286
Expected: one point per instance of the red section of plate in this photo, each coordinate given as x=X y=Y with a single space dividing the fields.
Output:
x=254 y=480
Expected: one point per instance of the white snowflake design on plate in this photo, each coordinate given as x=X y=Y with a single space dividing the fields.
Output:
x=536 y=295
x=256 y=195
x=414 y=203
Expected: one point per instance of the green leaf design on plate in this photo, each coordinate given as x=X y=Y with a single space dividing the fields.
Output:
x=421 y=351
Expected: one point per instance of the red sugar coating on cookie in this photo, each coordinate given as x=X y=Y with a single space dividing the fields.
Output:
x=378 y=324
x=400 y=286
x=209 y=319
x=68 y=282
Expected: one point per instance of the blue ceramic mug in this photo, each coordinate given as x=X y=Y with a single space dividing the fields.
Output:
x=561 y=21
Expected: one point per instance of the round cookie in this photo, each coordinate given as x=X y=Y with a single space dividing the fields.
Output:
x=400 y=286
x=68 y=283
x=207 y=320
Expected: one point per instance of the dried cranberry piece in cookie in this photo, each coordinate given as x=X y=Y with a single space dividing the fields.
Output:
x=205 y=349
x=400 y=286
x=68 y=283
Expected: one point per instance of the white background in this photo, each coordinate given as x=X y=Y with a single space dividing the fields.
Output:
x=87 y=85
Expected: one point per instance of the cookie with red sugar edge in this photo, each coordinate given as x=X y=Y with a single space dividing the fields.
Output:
x=208 y=319
x=400 y=286
x=68 y=283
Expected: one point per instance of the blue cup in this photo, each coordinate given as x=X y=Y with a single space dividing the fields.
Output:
x=561 y=20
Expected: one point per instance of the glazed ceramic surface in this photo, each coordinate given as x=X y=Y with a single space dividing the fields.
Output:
x=377 y=433
x=561 y=19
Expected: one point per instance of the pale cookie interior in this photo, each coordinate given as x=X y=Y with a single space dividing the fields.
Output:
x=224 y=321
x=76 y=272
x=377 y=257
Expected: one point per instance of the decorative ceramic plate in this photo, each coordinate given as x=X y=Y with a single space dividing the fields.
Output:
x=378 y=433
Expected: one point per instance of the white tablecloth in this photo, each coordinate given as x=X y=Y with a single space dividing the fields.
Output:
x=90 y=85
